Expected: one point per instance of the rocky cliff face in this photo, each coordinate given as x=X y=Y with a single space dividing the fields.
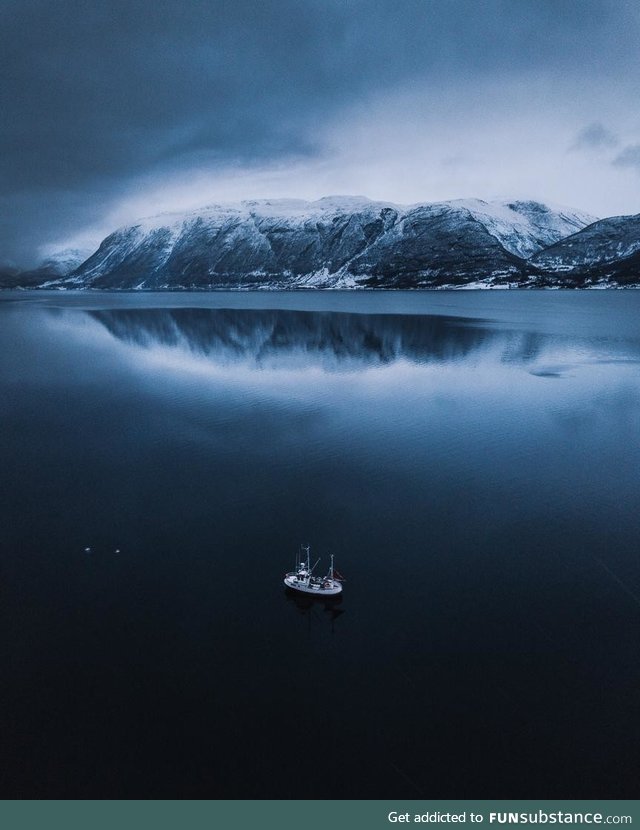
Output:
x=334 y=242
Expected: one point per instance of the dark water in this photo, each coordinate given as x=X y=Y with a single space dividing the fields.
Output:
x=473 y=461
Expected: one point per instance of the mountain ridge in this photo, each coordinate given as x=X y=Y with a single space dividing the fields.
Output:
x=352 y=241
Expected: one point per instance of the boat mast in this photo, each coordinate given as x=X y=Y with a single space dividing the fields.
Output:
x=331 y=568
x=307 y=548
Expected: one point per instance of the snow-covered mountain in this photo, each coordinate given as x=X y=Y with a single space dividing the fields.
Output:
x=605 y=250
x=334 y=242
x=61 y=263
x=525 y=227
x=55 y=267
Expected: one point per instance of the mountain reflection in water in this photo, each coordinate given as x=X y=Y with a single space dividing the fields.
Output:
x=472 y=460
x=335 y=341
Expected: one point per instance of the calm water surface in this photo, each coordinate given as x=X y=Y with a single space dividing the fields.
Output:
x=473 y=461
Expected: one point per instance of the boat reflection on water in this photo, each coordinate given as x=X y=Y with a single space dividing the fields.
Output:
x=323 y=608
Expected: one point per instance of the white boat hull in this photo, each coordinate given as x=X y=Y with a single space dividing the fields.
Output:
x=324 y=588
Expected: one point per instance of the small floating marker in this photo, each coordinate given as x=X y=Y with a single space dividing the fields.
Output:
x=117 y=550
x=87 y=550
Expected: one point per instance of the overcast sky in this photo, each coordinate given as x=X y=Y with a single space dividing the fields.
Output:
x=116 y=109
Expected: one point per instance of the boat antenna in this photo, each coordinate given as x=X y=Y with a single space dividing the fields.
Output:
x=306 y=548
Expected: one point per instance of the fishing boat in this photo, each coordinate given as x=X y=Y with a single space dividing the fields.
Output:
x=302 y=579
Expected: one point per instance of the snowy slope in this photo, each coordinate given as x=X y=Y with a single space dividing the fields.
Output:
x=57 y=265
x=605 y=241
x=525 y=227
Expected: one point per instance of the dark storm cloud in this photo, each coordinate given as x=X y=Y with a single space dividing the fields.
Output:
x=94 y=94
